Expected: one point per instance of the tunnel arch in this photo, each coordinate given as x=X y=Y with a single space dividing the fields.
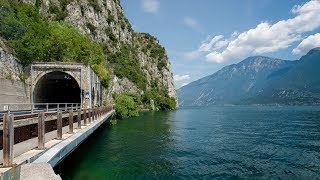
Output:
x=57 y=87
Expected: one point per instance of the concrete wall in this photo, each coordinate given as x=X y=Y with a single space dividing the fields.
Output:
x=13 y=92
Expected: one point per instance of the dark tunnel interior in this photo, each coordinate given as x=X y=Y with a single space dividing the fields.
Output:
x=57 y=87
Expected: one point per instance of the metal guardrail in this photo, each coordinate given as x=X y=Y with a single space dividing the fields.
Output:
x=37 y=107
x=57 y=120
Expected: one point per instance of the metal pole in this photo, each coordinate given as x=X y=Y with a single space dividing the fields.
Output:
x=31 y=108
x=47 y=107
x=8 y=108
x=31 y=78
x=81 y=88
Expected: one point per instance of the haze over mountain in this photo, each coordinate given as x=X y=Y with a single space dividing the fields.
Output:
x=258 y=80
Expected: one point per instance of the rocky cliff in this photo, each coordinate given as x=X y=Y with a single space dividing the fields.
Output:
x=137 y=62
x=104 y=22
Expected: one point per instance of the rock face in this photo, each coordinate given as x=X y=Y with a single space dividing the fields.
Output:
x=105 y=23
x=12 y=88
x=9 y=67
x=258 y=80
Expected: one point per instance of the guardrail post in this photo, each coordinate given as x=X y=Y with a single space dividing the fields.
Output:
x=59 y=125
x=32 y=108
x=94 y=114
x=79 y=119
x=41 y=130
x=88 y=116
x=57 y=107
x=8 y=140
x=91 y=119
x=70 y=121
x=85 y=117
x=47 y=107
x=66 y=107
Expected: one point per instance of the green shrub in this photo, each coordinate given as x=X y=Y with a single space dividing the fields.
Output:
x=60 y=12
x=110 y=18
x=92 y=28
x=126 y=105
x=23 y=77
x=103 y=73
x=110 y=34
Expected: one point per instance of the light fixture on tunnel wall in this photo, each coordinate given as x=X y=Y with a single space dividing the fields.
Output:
x=66 y=76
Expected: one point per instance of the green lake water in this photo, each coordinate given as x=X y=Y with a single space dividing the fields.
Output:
x=203 y=143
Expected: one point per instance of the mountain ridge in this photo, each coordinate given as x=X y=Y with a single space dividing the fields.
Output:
x=251 y=81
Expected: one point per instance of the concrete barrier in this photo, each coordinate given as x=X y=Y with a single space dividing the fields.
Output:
x=57 y=153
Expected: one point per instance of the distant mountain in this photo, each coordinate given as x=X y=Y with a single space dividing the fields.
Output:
x=258 y=80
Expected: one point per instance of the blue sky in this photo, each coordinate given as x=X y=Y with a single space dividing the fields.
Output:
x=202 y=36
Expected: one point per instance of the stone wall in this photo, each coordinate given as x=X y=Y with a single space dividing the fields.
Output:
x=12 y=89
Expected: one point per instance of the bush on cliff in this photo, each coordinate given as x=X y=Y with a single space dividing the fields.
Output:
x=127 y=105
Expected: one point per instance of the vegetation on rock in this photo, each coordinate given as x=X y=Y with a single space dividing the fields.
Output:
x=49 y=38
x=126 y=64
x=127 y=105
x=36 y=39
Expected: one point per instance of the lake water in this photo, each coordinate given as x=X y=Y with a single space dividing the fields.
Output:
x=207 y=142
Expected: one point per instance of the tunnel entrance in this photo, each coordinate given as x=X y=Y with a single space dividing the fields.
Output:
x=57 y=87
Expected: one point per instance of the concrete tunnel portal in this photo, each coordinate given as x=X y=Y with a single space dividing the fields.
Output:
x=57 y=87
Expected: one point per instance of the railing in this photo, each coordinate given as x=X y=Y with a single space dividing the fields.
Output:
x=17 y=130
x=37 y=107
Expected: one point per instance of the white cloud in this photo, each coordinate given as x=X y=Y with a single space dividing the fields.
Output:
x=181 y=77
x=308 y=43
x=266 y=37
x=210 y=44
x=215 y=57
x=207 y=46
x=150 y=6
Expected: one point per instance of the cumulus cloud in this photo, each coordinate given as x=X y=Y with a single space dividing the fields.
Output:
x=308 y=43
x=267 y=37
x=181 y=77
x=264 y=38
x=150 y=6
x=210 y=44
